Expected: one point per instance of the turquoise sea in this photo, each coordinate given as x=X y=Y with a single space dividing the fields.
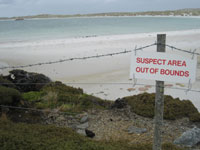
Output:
x=38 y=29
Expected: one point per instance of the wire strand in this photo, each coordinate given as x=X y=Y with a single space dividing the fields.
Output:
x=97 y=56
x=33 y=109
x=104 y=83
x=75 y=58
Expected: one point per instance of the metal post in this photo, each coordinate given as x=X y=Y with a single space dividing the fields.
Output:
x=159 y=100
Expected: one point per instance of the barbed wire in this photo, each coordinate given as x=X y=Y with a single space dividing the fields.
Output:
x=34 y=109
x=182 y=50
x=70 y=113
x=97 y=56
x=75 y=58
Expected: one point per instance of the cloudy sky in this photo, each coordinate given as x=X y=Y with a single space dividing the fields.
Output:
x=10 y=8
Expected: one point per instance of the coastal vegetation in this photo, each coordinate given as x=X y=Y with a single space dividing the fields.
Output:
x=181 y=12
x=26 y=128
x=64 y=98
x=174 y=108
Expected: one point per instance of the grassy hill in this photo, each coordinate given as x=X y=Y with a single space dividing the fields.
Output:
x=181 y=12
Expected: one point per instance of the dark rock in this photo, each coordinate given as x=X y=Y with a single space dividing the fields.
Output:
x=119 y=103
x=25 y=81
x=189 y=138
x=136 y=130
x=89 y=133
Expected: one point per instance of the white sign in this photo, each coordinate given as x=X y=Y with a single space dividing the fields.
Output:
x=163 y=67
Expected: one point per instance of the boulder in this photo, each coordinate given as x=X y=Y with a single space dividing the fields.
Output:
x=189 y=138
x=119 y=103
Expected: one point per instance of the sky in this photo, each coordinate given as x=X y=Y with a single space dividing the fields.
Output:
x=10 y=8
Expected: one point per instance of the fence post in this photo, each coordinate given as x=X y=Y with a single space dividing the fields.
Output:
x=159 y=100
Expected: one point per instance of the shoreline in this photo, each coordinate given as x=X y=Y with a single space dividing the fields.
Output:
x=170 y=16
x=95 y=38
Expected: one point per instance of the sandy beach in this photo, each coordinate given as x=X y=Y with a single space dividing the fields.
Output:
x=106 y=77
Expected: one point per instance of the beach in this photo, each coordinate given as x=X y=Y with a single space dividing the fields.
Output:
x=106 y=77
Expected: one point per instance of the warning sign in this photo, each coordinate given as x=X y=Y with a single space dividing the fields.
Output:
x=163 y=67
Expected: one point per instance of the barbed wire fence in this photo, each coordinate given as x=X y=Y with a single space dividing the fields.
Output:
x=100 y=56
x=97 y=56
x=97 y=83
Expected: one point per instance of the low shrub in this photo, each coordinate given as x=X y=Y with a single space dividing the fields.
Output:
x=143 y=104
x=6 y=83
x=9 y=96
x=60 y=88
x=66 y=98
x=32 y=96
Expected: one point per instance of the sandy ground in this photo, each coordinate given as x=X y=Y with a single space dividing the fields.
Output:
x=106 y=77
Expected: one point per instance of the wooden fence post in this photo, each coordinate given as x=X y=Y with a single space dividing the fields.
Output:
x=159 y=100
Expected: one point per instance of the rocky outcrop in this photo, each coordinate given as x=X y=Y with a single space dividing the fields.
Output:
x=26 y=81
x=189 y=138
x=119 y=104
x=79 y=122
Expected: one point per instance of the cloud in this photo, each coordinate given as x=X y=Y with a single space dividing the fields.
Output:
x=110 y=1
x=6 y=2
x=32 y=7
x=97 y=1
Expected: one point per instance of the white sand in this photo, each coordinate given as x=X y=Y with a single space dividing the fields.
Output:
x=99 y=70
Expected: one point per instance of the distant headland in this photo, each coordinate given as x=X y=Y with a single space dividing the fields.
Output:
x=180 y=12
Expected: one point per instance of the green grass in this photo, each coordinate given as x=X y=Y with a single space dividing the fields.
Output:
x=143 y=104
x=40 y=137
x=63 y=97
x=32 y=96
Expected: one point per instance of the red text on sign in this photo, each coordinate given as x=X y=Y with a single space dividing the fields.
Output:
x=179 y=73
x=151 y=61
x=147 y=70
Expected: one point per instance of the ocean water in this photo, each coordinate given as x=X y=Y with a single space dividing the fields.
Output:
x=39 y=29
